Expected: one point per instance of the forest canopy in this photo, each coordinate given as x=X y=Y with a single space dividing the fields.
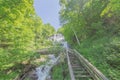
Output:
x=21 y=32
x=93 y=28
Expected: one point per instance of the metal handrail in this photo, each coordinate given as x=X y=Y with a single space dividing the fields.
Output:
x=70 y=67
x=96 y=74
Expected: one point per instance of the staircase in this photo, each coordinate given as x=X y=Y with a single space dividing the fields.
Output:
x=81 y=69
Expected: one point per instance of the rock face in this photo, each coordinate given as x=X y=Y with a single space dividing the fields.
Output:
x=28 y=73
x=32 y=75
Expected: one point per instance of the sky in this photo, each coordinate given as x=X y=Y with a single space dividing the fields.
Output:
x=48 y=10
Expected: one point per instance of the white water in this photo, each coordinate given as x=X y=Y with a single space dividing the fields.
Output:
x=43 y=71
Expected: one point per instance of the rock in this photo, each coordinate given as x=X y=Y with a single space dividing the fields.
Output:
x=32 y=75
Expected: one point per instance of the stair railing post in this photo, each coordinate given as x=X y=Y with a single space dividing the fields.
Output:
x=69 y=66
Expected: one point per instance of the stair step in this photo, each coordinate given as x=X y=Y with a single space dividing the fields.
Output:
x=77 y=66
x=79 y=76
x=75 y=62
x=79 y=69
x=73 y=58
x=84 y=78
x=74 y=66
x=80 y=72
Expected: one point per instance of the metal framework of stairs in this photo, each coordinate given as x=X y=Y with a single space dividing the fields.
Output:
x=81 y=69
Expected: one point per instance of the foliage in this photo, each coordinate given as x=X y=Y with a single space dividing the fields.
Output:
x=104 y=54
x=96 y=23
x=113 y=53
x=21 y=32
x=60 y=72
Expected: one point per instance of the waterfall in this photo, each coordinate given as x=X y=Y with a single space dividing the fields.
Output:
x=44 y=70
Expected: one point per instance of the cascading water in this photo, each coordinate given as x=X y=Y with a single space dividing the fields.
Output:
x=43 y=71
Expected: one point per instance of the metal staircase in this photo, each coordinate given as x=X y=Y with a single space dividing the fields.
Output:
x=81 y=69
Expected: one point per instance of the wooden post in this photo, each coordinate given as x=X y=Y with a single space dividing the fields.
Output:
x=75 y=36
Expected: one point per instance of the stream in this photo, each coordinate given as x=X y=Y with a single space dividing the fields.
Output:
x=43 y=71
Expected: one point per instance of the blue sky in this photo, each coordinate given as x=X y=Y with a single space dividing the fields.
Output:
x=48 y=10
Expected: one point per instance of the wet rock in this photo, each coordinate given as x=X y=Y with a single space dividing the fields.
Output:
x=48 y=78
x=32 y=75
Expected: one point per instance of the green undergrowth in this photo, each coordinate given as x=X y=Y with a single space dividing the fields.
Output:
x=104 y=53
x=60 y=72
x=13 y=62
x=55 y=50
